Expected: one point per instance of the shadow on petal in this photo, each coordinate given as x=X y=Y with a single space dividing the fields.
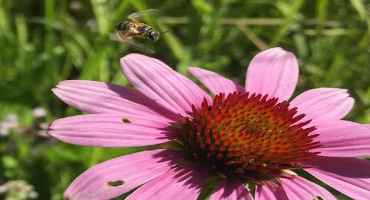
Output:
x=348 y=167
x=140 y=98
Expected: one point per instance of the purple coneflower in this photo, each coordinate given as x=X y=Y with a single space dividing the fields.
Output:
x=248 y=143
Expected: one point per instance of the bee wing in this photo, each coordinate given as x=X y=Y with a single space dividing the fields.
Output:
x=127 y=39
x=120 y=36
x=139 y=15
x=139 y=47
x=114 y=37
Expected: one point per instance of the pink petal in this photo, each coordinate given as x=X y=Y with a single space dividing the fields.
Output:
x=270 y=191
x=215 y=82
x=351 y=176
x=99 y=97
x=120 y=175
x=110 y=130
x=231 y=191
x=299 y=188
x=179 y=184
x=273 y=72
x=162 y=84
x=323 y=104
x=343 y=139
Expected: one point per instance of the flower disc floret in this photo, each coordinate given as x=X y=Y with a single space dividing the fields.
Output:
x=246 y=136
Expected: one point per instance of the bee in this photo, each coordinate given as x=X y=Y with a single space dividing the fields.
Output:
x=133 y=28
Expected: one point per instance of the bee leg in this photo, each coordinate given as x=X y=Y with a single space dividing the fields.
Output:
x=126 y=38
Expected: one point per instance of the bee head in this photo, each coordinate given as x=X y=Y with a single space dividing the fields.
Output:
x=153 y=35
x=122 y=26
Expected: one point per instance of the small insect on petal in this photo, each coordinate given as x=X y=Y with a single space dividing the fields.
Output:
x=125 y=120
x=115 y=183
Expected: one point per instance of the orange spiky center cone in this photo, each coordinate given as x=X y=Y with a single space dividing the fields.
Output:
x=246 y=136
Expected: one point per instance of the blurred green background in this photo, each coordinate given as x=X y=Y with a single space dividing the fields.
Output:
x=46 y=41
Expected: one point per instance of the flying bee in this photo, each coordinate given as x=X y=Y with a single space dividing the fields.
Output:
x=133 y=28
